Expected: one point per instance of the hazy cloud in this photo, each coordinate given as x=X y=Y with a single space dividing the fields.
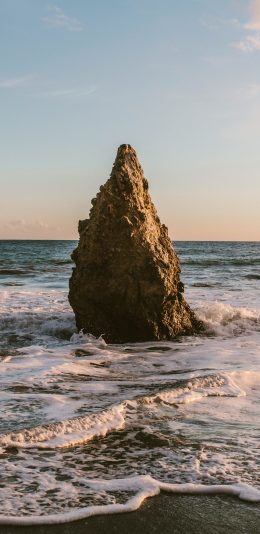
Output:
x=250 y=43
x=214 y=23
x=12 y=83
x=46 y=88
x=58 y=19
x=250 y=91
x=15 y=223
x=29 y=225
x=67 y=93
x=254 y=22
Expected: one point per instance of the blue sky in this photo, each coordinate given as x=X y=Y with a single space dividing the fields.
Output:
x=179 y=81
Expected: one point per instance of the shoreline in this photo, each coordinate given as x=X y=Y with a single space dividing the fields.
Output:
x=165 y=514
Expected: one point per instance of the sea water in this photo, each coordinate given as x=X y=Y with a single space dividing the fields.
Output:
x=90 y=428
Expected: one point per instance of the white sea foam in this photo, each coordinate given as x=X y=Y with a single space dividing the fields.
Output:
x=49 y=404
x=85 y=339
x=250 y=380
x=144 y=487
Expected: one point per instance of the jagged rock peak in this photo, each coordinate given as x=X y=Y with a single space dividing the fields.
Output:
x=127 y=159
x=126 y=283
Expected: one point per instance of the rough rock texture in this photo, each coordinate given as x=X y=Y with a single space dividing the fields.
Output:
x=126 y=284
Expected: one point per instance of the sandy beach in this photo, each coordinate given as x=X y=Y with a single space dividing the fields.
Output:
x=165 y=514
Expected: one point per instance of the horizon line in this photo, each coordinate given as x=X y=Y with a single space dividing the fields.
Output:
x=173 y=240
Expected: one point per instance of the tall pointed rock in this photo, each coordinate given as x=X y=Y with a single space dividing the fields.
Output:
x=126 y=284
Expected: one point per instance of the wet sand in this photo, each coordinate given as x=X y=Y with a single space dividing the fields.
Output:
x=165 y=514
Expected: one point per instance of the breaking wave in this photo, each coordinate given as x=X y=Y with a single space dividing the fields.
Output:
x=67 y=433
x=196 y=389
x=72 y=432
x=35 y=313
x=57 y=325
x=227 y=320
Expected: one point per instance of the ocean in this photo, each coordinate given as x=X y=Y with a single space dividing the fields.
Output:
x=90 y=428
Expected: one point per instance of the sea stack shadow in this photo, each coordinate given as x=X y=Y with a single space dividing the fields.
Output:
x=126 y=284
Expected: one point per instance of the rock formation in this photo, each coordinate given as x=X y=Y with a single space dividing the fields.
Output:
x=126 y=284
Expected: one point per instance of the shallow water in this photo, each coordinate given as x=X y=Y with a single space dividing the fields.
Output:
x=77 y=414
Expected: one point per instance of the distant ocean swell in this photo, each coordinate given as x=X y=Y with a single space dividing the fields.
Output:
x=238 y=262
x=29 y=270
